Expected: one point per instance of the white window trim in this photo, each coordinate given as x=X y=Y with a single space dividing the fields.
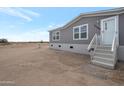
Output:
x=55 y=36
x=80 y=32
x=74 y=33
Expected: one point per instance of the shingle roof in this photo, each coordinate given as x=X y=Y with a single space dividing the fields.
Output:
x=90 y=14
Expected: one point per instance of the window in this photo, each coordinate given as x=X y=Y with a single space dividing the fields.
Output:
x=56 y=36
x=105 y=25
x=83 y=31
x=80 y=32
x=76 y=33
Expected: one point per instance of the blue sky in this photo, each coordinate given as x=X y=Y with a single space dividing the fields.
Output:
x=32 y=24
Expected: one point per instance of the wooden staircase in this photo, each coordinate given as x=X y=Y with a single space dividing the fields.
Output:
x=103 y=56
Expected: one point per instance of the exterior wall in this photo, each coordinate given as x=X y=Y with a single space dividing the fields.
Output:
x=121 y=53
x=77 y=48
x=121 y=38
x=121 y=29
x=66 y=35
x=80 y=46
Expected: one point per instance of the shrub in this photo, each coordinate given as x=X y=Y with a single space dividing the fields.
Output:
x=41 y=41
x=3 y=41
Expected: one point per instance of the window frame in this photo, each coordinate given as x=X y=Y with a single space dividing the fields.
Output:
x=55 y=34
x=80 y=32
x=74 y=32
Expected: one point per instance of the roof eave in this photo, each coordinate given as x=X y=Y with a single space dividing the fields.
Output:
x=91 y=15
x=115 y=11
x=56 y=29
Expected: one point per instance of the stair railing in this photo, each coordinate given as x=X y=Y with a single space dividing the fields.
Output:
x=92 y=46
x=114 y=47
x=114 y=43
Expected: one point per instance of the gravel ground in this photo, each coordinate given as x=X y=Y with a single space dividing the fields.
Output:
x=29 y=64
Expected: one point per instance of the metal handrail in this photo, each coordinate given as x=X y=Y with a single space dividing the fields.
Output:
x=114 y=48
x=92 y=46
x=114 y=43
x=92 y=42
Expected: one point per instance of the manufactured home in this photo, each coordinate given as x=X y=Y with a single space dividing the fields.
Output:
x=99 y=34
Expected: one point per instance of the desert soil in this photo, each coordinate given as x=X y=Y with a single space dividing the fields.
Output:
x=27 y=64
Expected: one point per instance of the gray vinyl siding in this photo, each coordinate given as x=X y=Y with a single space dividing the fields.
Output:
x=121 y=29
x=50 y=37
x=66 y=35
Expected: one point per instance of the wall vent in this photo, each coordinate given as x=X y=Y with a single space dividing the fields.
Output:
x=59 y=45
x=71 y=47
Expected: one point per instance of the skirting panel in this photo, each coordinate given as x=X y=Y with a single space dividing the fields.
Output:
x=121 y=53
x=76 y=48
x=82 y=49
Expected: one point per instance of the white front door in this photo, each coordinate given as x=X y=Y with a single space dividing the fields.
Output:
x=108 y=29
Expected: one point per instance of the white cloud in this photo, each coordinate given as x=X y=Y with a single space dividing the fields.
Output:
x=32 y=35
x=19 y=12
x=53 y=26
x=12 y=26
x=29 y=12
x=37 y=34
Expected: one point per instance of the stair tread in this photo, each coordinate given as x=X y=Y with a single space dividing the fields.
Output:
x=103 y=56
x=110 y=64
x=104 y=46
x=103 y=60
x=103 y=49
x=111 y=59
x=103 y=53
x=106 y=65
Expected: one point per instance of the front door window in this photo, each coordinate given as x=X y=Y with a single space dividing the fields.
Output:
x=105 y=25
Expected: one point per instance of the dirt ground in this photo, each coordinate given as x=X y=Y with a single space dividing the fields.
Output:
x=27 y=64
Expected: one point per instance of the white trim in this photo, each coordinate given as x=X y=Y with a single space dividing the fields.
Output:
x=80 y=32
x=55 y=35
x=116 y=23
